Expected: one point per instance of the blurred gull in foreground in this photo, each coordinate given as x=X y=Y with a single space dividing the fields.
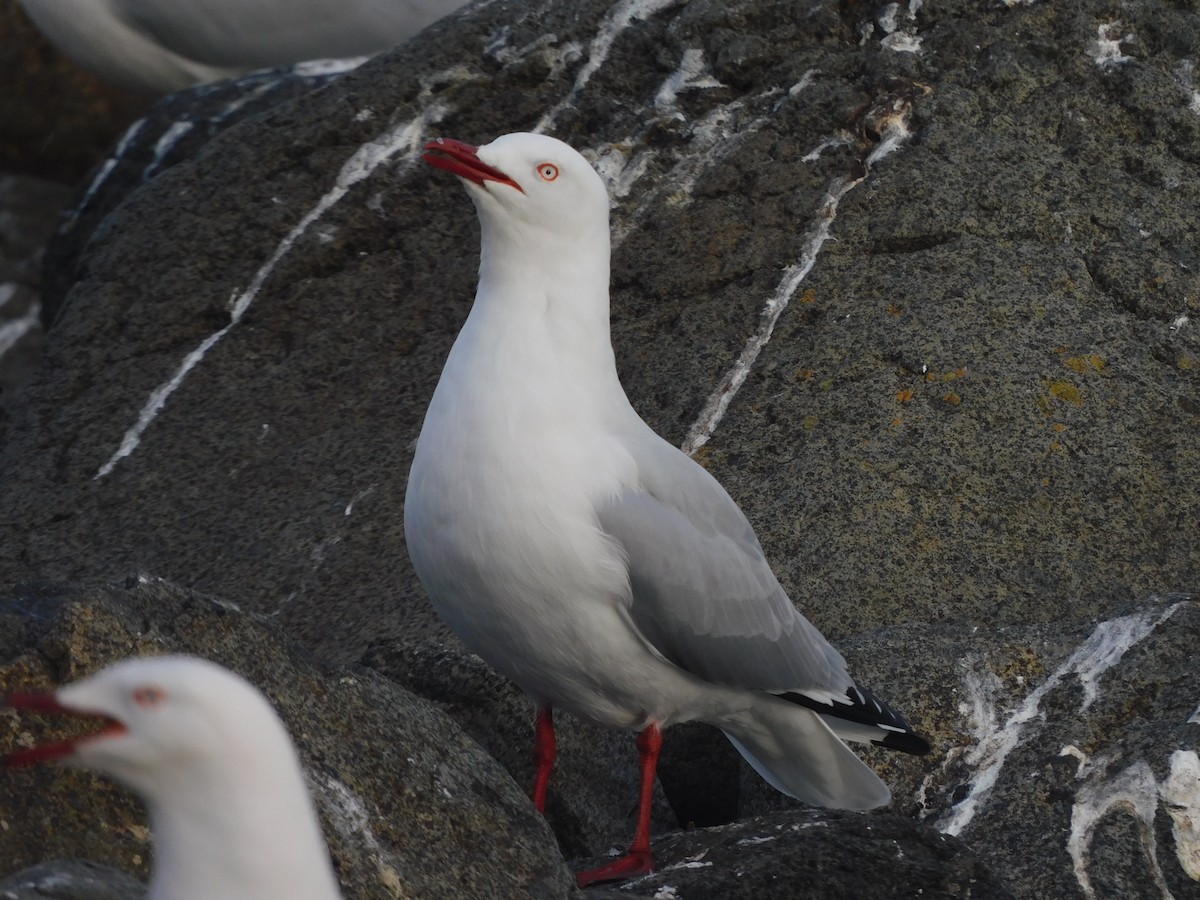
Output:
x=229 y=812
x=159 y=46
x=580 y=554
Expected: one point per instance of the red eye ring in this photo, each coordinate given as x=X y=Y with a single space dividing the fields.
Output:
x=547 y=171
x=149 y=696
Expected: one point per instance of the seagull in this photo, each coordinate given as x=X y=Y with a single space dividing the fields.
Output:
x=160 y=46
x=229 y=812
x=580 y=554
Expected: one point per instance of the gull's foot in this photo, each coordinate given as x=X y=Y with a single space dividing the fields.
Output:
x=635 y=862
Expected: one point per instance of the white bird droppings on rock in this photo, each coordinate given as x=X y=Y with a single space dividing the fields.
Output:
x=692 y=74
x=1106 y=49
x=1102 y=650
x=1180 y=795
x=622 y=16
x=1134 y=792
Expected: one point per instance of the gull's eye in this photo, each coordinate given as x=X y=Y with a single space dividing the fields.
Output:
x=149 y=696
x=548 y=171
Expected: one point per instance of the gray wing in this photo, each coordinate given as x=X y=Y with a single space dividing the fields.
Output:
x=261 y=33
x=702 y=592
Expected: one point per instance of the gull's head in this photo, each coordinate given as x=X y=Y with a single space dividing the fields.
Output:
x=529 y=183
x=158 y=720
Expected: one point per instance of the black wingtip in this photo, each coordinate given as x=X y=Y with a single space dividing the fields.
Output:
x=864 y=708
x=905 y=742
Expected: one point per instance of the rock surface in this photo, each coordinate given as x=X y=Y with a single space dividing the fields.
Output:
x=410 y=806
x=69 y=879
x=916 y=282
x=28 y=212
x=814 y=853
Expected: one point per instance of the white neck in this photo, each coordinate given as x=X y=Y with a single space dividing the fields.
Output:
x=249 y=834
x=529 y=278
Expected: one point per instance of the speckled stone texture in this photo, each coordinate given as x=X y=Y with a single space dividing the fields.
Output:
x=71 y=879
x=815 y=853
x=960 y=236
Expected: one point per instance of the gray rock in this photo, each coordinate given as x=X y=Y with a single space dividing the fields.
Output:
x=823 y=854
x=173 y=129
x=28 y=211
x=961 y=242
x=1068 y=753
x=410 y=806
x=71 y=879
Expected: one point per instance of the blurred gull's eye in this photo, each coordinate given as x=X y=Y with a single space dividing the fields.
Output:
x=149 y=696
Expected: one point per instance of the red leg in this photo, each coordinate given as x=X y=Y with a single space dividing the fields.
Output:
x=545 y=748
x=637 y=860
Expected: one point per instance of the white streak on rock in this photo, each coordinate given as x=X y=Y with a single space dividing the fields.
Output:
x=1185 y=77
x=620 y=171
x=8 y=290
x=351 y=819
x=836 y=141
x=981 y=687
x=1083 y=762
x=247 y=97
x=12 y=331
x=897 y=37
x=711 y=139
x=316 y=68
x=804 y=83
x=1180 y=795
x=902 y=42
x=888 y=18
x=361 y=495
x=1102 y=650
x=102 y=176
x=498 y=49
x=692 y=74
x=750 y=841
x=404 y=138
x=622 y=16
x=692 y=862
x=895 y=133
x=978 y=709
x=1132 y=791
x=718 y=401
x=1108 y=644
x=1106 y=49
x=165 y=143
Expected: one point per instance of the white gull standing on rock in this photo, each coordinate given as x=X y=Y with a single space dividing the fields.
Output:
x=580 y=554
x=158 y=46
x=229 y=812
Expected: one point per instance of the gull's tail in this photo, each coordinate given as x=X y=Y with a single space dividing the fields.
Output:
x=798 y=754
x=795 y=741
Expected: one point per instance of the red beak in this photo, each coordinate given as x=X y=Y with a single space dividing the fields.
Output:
x=37 y=701
x=463 y=160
